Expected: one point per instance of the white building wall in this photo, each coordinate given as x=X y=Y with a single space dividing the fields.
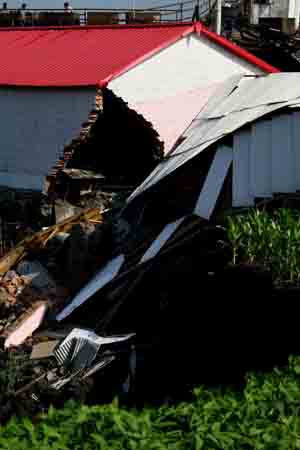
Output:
x=191 y=63
x=35 y=125
x=172 y=86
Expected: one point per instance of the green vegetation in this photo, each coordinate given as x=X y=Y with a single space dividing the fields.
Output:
x=265 y=415
x=272 y=240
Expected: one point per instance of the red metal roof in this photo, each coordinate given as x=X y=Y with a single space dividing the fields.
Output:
x=90 y=56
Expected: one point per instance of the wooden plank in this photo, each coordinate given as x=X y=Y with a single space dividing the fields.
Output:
x=214 y=182
x=44 y=349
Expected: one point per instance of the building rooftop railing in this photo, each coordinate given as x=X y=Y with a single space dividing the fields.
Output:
x=184 y=11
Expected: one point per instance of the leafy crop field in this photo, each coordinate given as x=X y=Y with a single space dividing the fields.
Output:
x=272 y=240
x=264 y=415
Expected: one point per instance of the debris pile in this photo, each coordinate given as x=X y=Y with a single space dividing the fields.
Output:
x=12 y=286
x=29 y=290
x=143 y=302
x=92 y=322
x=147 y=300
x=19 y=294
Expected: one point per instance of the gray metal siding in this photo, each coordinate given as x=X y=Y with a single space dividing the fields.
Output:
x=241 y=194
x=260 y=159
x=282 y=155
x=35 y=126
x=274 y=166
x=296 y=146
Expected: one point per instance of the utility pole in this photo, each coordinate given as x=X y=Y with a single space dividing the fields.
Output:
x=219 y=17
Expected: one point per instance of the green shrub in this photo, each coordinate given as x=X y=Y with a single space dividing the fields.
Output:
x=270 y=240
x=265 y=415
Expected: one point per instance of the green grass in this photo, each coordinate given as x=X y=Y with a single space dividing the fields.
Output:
x=272 y=240
x=265 y=415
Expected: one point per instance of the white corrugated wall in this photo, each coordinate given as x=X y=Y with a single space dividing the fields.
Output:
x=266 y=158
x=35 y=125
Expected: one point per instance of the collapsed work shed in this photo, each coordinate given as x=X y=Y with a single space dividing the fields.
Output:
x=244 y=144
x=49 y=78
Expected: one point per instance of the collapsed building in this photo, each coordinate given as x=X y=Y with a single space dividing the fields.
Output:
x=62 y=69
x=128 y=299
x=230 y=158
x=162 y=308
x=94 y=109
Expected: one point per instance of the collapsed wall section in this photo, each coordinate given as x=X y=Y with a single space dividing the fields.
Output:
x=120 y=144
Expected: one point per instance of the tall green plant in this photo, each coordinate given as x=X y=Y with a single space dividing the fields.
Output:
x=270 y=240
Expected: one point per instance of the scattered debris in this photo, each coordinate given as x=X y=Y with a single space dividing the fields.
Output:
x=40 y=239
x=107 y=295
x=39 y=277
x=44 y=349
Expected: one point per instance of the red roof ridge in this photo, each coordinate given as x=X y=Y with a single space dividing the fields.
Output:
x=198 y=28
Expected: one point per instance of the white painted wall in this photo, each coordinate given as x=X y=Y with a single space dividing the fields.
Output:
x=191 y=63
x=172 y=86
x=35 y=125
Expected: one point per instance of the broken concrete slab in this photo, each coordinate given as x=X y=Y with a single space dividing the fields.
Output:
x=27 y=324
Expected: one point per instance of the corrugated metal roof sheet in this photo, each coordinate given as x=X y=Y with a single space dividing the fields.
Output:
x=275 y=91
x=90 y=56
x=100 y=279
x=83 y=56
x=280 y=87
